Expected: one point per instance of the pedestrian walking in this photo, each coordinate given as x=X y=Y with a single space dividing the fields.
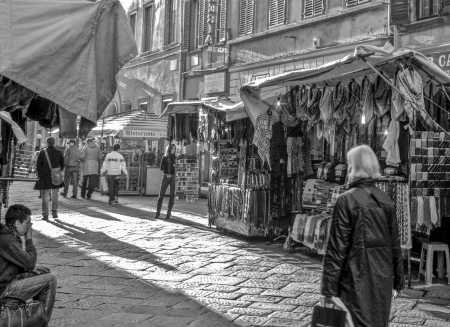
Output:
x=114 y=166
x=91 y=156
x=363 y=262
x=168 y=180
x=72 y=158
x=50 y=162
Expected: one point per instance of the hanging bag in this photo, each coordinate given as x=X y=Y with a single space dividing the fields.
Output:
x=56 y=173
x=17 y=313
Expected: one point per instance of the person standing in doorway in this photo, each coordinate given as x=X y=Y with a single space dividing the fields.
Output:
x=48 y=159
x=363 y=265
x=72 y=158
x=91 y=157
x=168 y=168
x=114 y=166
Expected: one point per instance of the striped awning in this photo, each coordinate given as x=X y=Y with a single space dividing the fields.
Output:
x=132 y=124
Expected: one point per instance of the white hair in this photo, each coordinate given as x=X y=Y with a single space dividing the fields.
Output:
x=362 y=163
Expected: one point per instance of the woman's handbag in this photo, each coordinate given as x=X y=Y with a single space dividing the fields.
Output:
x=17 y=313
x=56 y=173
x=328 y=317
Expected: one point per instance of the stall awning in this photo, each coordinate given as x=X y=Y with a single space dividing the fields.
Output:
x=133 y=124
x=259 y=95
x=232 y=110
x=67 y=52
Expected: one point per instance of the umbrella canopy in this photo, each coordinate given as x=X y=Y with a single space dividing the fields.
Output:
x=68 y=52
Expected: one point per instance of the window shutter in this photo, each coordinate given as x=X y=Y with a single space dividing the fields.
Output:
x=246 y=16
x=148 y=28
x=222 y=21
x=202 y=21
x=187 y=42
x=313 y=8
x=399 y=12
x=133 y=23
x=277 y=12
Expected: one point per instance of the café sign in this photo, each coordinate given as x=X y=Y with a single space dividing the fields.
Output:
x=440 y=57
x=140 y=133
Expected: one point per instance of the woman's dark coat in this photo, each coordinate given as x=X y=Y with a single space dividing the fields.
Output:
x=43 y=170
x=363 y=262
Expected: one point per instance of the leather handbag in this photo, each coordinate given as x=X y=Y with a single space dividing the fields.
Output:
x=17 y=313
x=56 y=173
x=328 y=317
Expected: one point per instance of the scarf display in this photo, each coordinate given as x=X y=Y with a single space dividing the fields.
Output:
x=312 y=231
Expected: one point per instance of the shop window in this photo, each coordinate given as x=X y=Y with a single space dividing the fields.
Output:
x=170 y=22
x=147 y=41
x=246 y=16
x=133 y=23
x=144 y=105
x=313 y=8
x=352 y=3
x=428 y=8
x=277 y=12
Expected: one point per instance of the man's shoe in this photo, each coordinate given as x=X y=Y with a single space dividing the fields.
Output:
x=73 y=197
x=63 y=194
x=55 y=215
x=45 y=218
x=88 y=197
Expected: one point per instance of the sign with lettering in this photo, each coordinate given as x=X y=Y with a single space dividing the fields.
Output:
x=215 y=83
x=142 y=133
x=440 y=57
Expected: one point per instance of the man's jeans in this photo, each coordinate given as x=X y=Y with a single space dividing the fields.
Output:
x=71 y=176
x=90 y=182
x=47 y=196
x=168 y=180
x=41 y=288
x=113 y=187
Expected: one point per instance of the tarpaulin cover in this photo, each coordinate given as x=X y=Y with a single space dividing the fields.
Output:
x=68 y=52
x=259 y=95
x=232 y=110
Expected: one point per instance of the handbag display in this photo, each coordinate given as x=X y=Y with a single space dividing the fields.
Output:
x=328 y=317
x=56 y=173
x=17 y=313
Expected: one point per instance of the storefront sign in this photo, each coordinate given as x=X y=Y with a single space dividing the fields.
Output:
x=143 y=133
x=440 y=57
x=215 y=83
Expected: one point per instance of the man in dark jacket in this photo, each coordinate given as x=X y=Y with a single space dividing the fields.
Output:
x=49 y=192
x=168 y=168
x=19 y=276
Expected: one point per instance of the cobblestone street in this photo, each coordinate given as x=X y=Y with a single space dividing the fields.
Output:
x=119 y=267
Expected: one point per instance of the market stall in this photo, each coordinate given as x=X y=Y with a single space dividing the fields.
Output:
x=397 y=102
x=58 y=61
x=141 y=136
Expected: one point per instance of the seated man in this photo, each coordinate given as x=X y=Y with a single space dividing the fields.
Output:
x=19 y=276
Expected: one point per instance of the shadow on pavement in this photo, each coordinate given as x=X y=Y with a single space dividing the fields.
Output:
x=104 y=243
x=104 y=298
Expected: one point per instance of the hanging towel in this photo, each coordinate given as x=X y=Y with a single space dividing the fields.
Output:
x=390 y=145
x=426 y=213
x=420 y=211
x=433 y=211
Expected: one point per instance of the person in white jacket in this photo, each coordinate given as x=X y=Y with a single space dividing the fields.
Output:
x=114 y=166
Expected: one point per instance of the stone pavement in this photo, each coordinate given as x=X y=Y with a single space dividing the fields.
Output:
x=116 y=266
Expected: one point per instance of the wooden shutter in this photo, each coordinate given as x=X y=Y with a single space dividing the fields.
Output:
x=222 y=21
x=246 y=16
x=313 y=8
x=133 y=23
x=187 y=26
x=400 y=12
x=148 y=28
x=277 y=12
x=202 y=21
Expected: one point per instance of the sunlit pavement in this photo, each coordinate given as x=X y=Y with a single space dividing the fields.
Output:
x=117 y=266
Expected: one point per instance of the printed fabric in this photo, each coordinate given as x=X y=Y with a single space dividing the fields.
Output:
x=262 y=137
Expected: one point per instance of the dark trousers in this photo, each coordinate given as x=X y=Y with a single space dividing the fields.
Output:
x=71 y=177
x=113 y=187
x=90 y=182
x=41 y=288
x=166 y=182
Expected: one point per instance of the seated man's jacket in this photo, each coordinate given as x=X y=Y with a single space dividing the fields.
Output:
x=14 y=260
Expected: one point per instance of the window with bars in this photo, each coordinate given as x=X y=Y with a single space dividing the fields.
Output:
x=428 y=8
x=147 y=41
x=133 y=23
x=313 y=8
x=352 y=3
x=246 y=16
x=277 y=12
x=170 y=22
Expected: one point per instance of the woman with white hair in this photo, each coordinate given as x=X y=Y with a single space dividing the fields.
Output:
x=363 y=262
